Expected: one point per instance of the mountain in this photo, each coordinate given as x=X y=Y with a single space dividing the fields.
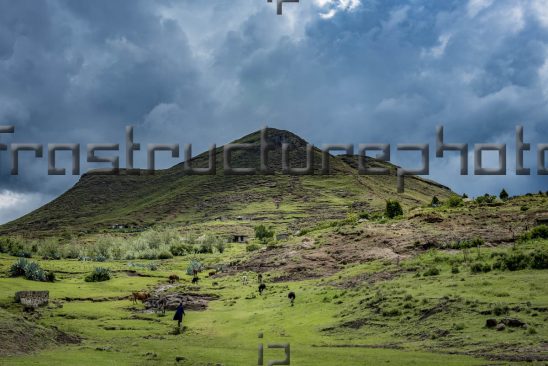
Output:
x=102 y=203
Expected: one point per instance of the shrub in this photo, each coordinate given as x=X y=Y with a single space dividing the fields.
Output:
x=181 y=249
x=540 y=232
x=31 y=271
x=100 y=274
x=50 y=249
x=220 y=246
x=71 y=251
x=503 y=195
x=165 y=254
x=393 y=209
x=479 y=267
x=512 y=262
x=455 y=201
x=263 y=233
x=19 y=248
x=432 y=271
x=18 y=268
x=455 y=269
x=50 y=277
x=501 y=309
x=485 y=199
x=8 y=243
x=34 y=272
x=364 y=215
x=539 y=259
x=194 y=265
x=101 y=247
x=252 y=247
x=205 y=248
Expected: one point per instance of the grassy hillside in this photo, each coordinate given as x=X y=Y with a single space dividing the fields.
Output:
x=429 y=307
x=97 y=202
x=458 y=283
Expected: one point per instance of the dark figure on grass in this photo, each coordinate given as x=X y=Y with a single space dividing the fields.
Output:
x=179 y=314
x=162 y=303
x=262 y=287
x=291 y=297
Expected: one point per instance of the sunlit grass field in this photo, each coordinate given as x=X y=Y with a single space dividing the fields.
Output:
x=376 y=322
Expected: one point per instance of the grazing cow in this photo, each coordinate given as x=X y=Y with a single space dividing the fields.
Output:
x=143 y=296
x=173 y=278
x=262 y=287
x=195 y=279
x=162 y=303
x=260 y=278
x=244 y=280
x=291 y=297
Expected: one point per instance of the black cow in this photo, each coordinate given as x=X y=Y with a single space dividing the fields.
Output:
x=291 y=297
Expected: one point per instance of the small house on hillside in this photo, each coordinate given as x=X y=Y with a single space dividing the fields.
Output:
x=239 y=238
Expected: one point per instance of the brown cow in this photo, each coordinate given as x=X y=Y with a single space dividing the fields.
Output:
x=173 y=278
x=143 y=296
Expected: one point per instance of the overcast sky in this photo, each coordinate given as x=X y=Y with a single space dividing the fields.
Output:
x=331 y=71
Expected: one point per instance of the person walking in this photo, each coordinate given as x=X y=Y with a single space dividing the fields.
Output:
x=179 y=313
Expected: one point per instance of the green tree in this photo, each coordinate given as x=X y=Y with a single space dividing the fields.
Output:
x=454 y=201
x=503 y=195
x=263 y=233
x=393 y=209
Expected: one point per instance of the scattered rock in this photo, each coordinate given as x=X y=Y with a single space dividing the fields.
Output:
x=191 y=301
x=500 y=327
x=491 y=323
x=512 y=322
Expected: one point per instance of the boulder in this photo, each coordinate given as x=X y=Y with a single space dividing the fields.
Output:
x=512 y=322
x=500 y=327
x=491 y=323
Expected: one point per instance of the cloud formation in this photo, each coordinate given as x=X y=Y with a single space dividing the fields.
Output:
x=332 y=71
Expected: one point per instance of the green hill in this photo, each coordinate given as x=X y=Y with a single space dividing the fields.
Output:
x=99 y=203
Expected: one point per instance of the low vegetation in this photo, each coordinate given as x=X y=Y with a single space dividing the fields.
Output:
x=99 y=274
x=31 y=271
x=419 y=289
x=393 y=209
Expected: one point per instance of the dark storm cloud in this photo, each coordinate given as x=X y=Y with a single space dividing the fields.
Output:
x=332 y=71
